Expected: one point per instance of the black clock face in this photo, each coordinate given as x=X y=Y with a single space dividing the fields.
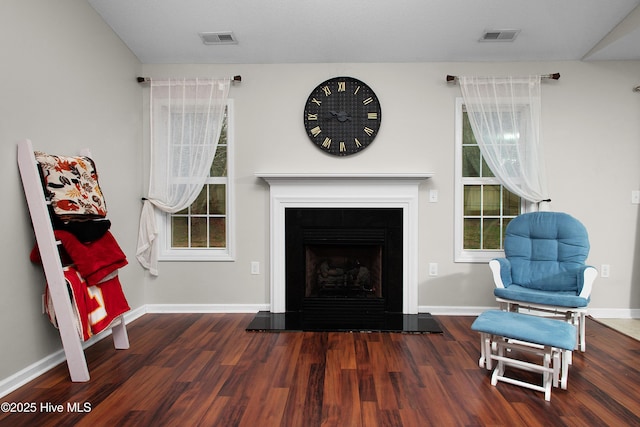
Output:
x=342 y=116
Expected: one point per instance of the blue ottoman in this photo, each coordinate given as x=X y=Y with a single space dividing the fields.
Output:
x=505 y=334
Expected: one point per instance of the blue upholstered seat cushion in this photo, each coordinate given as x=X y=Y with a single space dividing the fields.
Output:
x=546 y=251
x=524 y=327
x=536 y=296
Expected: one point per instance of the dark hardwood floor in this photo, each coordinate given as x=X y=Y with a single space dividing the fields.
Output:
x=205 y=369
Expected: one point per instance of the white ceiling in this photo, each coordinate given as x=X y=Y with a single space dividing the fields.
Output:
x=308 y=31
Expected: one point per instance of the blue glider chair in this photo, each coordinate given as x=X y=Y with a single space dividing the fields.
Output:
x=544 y=268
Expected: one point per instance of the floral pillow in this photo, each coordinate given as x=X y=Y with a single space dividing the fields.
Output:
x=71 y=184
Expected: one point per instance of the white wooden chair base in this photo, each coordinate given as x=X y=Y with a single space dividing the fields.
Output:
x=554 y=365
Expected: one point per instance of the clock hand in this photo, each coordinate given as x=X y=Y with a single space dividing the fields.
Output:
x=342 y=116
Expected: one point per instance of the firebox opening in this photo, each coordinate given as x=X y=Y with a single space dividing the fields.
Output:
x=343 y=271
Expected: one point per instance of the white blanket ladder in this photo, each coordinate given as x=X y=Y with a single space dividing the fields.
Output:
x=53 y=268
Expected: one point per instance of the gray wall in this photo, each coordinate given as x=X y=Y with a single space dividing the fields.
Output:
x=68 y=83
x=591 y=136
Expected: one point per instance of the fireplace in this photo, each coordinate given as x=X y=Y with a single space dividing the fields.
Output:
x=344 y=190
x=344 y=265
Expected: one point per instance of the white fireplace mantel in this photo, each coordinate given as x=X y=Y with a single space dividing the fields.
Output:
x=344 y=190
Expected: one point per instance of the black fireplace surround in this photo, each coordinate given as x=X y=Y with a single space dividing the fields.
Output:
x=343 y=265
x=344 y=272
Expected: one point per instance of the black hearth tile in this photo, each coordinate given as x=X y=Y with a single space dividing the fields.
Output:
x=421 y=323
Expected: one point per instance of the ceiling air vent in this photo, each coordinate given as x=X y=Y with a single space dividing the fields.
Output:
x=226 y=37
x=499 y=35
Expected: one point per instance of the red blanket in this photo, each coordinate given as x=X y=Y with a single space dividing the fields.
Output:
x=94 y=307
x=96 y=293
x=78 y=294
x=94 y=260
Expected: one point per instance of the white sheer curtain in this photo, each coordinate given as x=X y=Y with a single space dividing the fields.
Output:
x=186 y=119
x=504 y=113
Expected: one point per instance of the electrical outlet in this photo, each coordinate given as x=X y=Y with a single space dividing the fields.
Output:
x=604 y=270
x=433 y=196
x=433 y=269
x=255 y=267
x=635 y=197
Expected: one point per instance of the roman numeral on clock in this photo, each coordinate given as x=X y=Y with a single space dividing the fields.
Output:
x=327 y=143
x=312 y=116
x=370 y=116
x=316 y=131
x=368 y=131
x=343 y=147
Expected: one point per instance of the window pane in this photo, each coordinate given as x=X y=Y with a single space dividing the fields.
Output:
x=217 y=199
x=491 y=236
x=510 y=203
x=470 y=161
x=467 y=132
x=486 y=172
x=491 y=200
x=198 y=232
x=179 y=232
x=505 y=222
x=199 y=205
x=471 y=233
x=472 y=199
x=219 y=165
x=217 y=232
x=225 y=125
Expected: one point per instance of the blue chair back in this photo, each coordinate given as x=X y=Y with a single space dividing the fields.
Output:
x=546 y=250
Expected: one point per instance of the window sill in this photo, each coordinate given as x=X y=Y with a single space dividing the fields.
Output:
x=478 y=257
x=196 y=256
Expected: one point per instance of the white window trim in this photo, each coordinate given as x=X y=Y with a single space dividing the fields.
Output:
x=167 y=253
x=461 y=254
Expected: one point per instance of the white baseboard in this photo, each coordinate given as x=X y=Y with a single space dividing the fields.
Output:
x=453 y=311
x=45 y=364
x=614 y=313
x=206 y=308
x=596 y=313
x=49 y=362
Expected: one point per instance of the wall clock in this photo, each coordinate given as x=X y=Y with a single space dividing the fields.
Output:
x=342 y=116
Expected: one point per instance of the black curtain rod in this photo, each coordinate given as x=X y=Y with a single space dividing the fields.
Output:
x=234 y=79
x=554 y=76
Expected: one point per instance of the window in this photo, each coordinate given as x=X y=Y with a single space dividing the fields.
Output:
x=203 y=231
x=483 y=206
